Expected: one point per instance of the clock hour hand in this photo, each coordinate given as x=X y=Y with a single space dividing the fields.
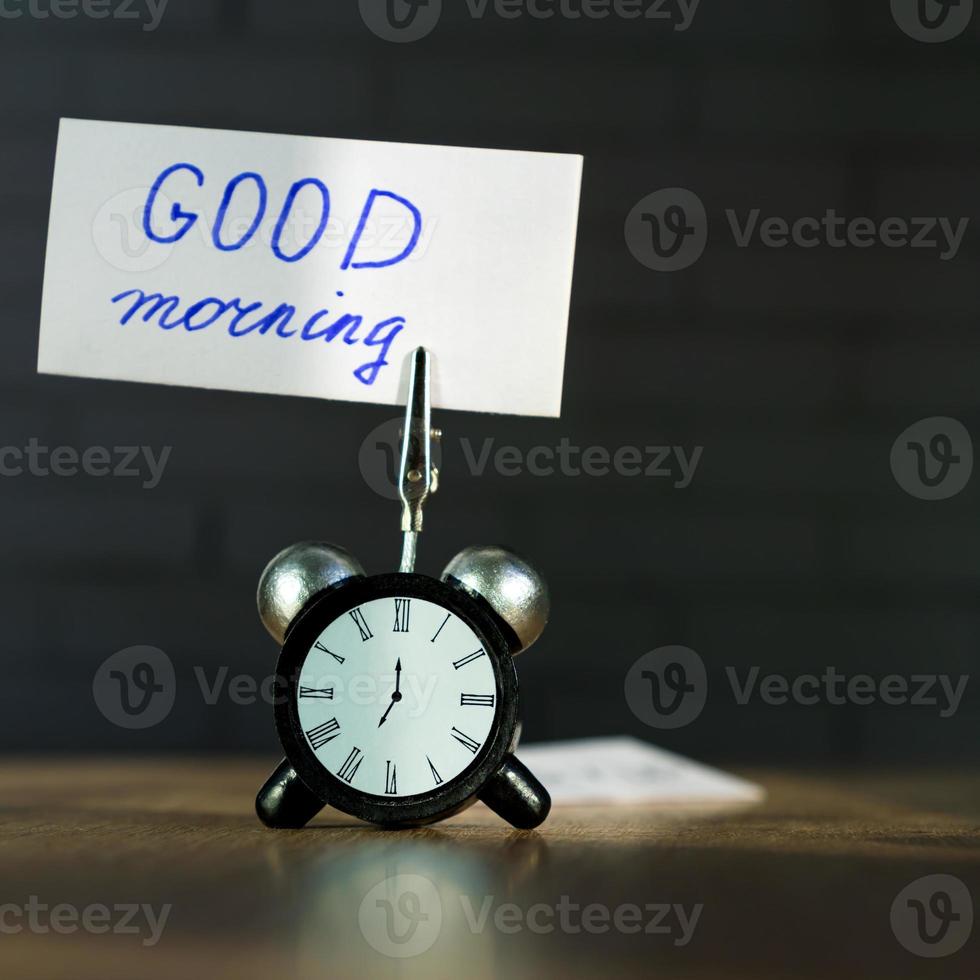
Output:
x=396 y=694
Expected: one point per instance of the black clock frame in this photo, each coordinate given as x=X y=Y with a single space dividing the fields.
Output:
x=455 y=794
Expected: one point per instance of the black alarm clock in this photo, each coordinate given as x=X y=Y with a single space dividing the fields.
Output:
x=398 y=696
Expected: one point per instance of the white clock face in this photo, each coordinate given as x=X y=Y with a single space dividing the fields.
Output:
x=396 y=697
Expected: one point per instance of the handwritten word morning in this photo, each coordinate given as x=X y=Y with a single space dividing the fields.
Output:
x=208 y=311
x=244 y=318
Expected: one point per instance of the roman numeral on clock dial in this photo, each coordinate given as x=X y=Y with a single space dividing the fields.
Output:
x=391 y=783
x=361 y=623
x=463 y=661
x=441 y=628
x=323 y=693
x=324 y=733
x=435 y=772
x=323 y=649
x=402 y=610
x=353 y=762
x=465 y=740
x=476 y=700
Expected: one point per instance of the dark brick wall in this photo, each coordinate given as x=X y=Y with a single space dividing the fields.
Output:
x=794 y=548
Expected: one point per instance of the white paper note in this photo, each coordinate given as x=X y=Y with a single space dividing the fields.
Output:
x=308 y=266
x=625 y=770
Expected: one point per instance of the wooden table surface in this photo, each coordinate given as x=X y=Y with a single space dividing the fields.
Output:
x=801 y=886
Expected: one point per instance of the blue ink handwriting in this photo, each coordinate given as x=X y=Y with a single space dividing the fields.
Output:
x=251 y=319
x=182 y=178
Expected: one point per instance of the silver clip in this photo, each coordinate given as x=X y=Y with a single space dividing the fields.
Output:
x=418 y=478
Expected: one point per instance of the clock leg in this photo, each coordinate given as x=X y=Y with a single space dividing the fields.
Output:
x=514 y=794
x=284 y=803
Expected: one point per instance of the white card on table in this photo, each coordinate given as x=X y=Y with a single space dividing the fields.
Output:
x=625 y=770
x=309 y=266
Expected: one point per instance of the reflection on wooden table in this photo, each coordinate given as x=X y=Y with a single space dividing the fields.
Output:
x=800 y=886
